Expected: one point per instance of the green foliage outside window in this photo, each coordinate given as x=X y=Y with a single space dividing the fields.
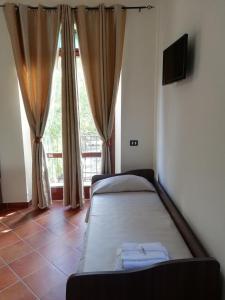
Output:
x=53 y=131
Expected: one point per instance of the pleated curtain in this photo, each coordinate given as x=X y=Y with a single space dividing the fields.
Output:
x=70 y=123
x=101 y=37
x=34 y=37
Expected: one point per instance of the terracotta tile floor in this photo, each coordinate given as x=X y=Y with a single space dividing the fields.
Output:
x=39 y=249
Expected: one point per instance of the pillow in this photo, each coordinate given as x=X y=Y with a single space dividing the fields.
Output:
x=122 y=183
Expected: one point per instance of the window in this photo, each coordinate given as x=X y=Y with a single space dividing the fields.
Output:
x=53 y=131
x=89 y=138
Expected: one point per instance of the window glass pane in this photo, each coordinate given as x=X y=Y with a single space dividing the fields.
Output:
x=53 y=130
x=76 y=41
x=91 y=167
x=87 y=125
x=89 y=138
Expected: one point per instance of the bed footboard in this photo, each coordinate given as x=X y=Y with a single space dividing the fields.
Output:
x=186 y=279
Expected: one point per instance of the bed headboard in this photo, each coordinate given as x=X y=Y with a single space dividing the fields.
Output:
x=146 y=173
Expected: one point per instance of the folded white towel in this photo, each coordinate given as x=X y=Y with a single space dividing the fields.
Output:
x=143 y=246
x=134 y=264
x=134 y=255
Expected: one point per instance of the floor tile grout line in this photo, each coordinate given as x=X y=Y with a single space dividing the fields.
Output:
x=49 y=261
x=10 y=285
x=23 y=214
x=36 y=250
x=20 y=279
x=29 y=236
x=43 y=227
x=6 y=225
x=13 y=230
x=42 y=217
x=35 y=221
x=19 y=237
x=29 y=288
x=63 y=271
x=32 y=249
x=24 y=239
x=20 y=257
x=32 y=235
x=45 y=258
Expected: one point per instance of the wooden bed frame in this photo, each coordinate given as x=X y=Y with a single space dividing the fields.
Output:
x=197 y=278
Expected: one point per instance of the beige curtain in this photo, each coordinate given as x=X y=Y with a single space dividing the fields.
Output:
x=34 y=36
x=70 y=124
x=101 y=36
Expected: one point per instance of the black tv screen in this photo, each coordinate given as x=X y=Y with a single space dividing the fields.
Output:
x=175 y=61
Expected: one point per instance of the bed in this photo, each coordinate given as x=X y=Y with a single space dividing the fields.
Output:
x=135 y=213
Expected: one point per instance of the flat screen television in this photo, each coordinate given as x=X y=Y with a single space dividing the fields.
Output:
x=175 y=61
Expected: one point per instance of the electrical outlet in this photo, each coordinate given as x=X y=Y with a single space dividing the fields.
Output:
x=133 y=143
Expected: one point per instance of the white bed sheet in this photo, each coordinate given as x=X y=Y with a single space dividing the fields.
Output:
x=116 y=218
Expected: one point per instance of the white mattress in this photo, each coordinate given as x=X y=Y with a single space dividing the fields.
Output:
x=116 y=218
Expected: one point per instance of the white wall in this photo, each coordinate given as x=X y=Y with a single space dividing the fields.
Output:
x=27 y=149
x=138 y=90
x=191 y=119
x=118 y=131
x=11 y=142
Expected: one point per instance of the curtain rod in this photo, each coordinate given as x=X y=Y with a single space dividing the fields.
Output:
x=92 y=7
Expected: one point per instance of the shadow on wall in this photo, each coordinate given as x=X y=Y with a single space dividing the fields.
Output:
x=192 y=57
x=191 y=53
